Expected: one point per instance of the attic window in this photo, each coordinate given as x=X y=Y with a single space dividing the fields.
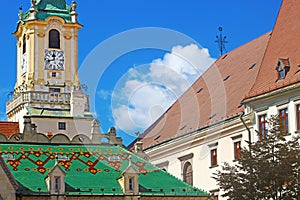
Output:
x=114 y=158
x=226 y=78
x=240 y=105
x=8 y=156
x=212 y=116
x=199 y=90
x=283 y=67
x=224 y=56
x=182 y=127
x=157 y=137
x=281 y=74
x=61 y=125
x=252 y=66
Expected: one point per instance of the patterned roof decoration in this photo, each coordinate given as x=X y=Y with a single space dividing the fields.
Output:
x=89 y=169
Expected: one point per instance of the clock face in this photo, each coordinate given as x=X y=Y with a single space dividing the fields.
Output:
x=54 y=60
x=24 y=64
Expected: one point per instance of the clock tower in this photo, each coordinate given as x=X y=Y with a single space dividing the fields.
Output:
x=47 y=87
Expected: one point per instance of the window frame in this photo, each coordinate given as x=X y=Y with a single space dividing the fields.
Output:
x=284 y=119
x=62 y=126
x=54 y=39
x=24 y=48
x=131 y=183
x=262 y=126
x=237 y=150
x=187 y=173
x=214 y=157
x=57 y=183
x=298 y=116
x=54 y=90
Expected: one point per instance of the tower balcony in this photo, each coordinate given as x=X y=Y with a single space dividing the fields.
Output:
x=37 y=98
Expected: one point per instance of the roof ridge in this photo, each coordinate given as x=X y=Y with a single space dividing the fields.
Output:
x=262 y=60
x=8 y=173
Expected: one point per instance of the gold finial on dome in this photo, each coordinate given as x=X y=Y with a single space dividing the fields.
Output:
x=20 y=13
x=74 y=6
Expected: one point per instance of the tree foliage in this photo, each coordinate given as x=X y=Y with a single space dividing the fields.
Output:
x=268 y=169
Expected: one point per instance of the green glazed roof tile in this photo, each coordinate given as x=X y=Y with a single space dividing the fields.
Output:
x=89 y=169
x=47 y=8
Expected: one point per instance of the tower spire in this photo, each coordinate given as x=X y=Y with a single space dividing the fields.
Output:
x=221 y=40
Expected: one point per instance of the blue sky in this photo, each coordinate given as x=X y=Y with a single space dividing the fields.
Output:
x=138 y=85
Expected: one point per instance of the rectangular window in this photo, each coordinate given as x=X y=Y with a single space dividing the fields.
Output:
x=53 y=74
x=131 y=184
x=216 y=197
x=298 y=117
x=237 y=150
x=61 y=125
x=213 y=154
x=57 y=90
x=263 y=127
x=284 y=120
x=57 y=183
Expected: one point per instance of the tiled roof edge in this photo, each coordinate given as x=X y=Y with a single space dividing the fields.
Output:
x=8 y=174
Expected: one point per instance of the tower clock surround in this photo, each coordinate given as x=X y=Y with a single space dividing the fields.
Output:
x=54 y=60
x=47 y=84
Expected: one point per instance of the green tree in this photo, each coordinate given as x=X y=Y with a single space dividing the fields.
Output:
x=267 y=169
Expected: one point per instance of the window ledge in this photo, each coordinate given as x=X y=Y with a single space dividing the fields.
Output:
x=214 y=166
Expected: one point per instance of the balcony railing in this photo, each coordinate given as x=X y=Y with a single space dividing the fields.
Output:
x=37 y=97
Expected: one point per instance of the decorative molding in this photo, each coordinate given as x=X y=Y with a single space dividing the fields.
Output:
x=41 y=34
x=186 y=157
x=237 y=137
x=163 y=164
x=213 y=145
x=54 y=23
x=68 y=36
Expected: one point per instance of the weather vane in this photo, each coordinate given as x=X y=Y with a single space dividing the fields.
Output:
x=221 y=40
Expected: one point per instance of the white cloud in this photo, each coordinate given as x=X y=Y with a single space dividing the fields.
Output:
x=104 y=94
x=146 y=91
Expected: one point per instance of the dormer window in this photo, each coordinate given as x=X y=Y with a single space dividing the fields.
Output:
x=57 y=183
x=281 y=74
x=131 y=183
x=54 y=39
x=55 y=180
x=283 y=67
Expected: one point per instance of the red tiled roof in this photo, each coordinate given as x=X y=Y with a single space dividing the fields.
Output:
x=9 y=128
x=284 y=43
x=216 y=95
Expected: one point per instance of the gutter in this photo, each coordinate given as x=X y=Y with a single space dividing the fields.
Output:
x=249 y=132
x=195 y=131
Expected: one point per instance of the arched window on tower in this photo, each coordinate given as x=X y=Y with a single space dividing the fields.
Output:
x=188 y=173
x=24 y=44
x=54 y=39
